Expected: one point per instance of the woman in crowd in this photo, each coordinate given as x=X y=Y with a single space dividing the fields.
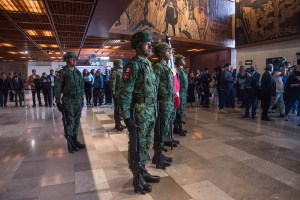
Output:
x=191 y=89
x=88 y=80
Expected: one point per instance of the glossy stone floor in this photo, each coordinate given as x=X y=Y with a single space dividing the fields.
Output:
x=223 y=157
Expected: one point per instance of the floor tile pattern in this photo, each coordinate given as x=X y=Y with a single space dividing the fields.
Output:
x=223 y=157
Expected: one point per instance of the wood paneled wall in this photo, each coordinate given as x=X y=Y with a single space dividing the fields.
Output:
x=210 y=60
x=19 y=67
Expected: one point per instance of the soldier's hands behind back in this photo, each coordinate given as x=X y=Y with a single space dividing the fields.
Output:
x=60 y=107
x=130 y=124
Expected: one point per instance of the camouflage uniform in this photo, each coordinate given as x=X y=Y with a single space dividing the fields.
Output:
x=165 y=95
x=183 y=81
x=138 y=107
x=115 y=85
x=70 y=84
x=138 y=93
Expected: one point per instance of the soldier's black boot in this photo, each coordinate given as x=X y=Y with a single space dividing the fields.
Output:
x=175 y=141
x=182 y=133
x=71 y=146
x=149 y=178
x=170 y=144
x=141 y=186
x=159 y=161
x=166 y=158
x=77 y=143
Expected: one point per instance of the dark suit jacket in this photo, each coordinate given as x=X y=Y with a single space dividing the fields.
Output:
x=268 y=86
x=255 y=82
x=17 y=85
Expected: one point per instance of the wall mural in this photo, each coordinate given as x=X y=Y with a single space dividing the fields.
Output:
x=206 y=20
x=259 y=20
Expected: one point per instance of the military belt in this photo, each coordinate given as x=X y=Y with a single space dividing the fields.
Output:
x=72 y=96
x=165 y=98
x=150 y=100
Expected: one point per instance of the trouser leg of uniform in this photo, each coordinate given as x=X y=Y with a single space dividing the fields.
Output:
x=117 y=114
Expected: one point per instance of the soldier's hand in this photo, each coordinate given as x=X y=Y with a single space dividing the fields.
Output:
x=130 y=124
x=60 y=107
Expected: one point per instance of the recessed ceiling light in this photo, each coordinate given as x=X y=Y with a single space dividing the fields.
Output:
x=32 y=32
x=43 y=45
x=29 y=6
x=6 y=45
x=47 y=33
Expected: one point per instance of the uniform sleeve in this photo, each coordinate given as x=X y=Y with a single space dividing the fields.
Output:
x=58 y=86
x=113 y=83
x=157 y=71
x=129 y=76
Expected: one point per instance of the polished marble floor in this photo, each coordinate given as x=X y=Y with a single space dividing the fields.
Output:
x=223 y=157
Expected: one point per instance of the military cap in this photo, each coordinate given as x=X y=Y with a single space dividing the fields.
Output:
x=140 y=37
x=69 y=55
x=118 y=62
x=178 y=58
x=160 y=48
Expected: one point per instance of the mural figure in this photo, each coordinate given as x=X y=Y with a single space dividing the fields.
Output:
x=258 y=20
x=206 y=20
x=171 y=15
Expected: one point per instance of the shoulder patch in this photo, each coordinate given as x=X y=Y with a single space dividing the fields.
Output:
x=113 y=74
x=127 y=72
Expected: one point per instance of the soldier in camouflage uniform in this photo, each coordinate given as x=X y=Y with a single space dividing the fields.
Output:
x=183 y=80
x=115 y=85
x=165 y=95
x=70 y=84
x=138 y=103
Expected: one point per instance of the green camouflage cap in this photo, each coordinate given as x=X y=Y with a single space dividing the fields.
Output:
x=160 y=48
x=69 y=55
x=118 y=62
x=178 y=58
x=140 y=37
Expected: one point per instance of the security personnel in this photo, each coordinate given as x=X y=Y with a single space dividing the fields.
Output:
x=165 y=95
x=70 y=84
x=115 y=85
x=183 y=80
x=138 y=106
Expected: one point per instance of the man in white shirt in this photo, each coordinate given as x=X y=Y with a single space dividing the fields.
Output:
x=278 y=99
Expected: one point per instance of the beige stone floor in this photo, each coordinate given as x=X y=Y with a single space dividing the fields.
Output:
x=222 y=157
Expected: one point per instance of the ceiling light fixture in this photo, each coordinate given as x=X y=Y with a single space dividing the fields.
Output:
x=47 y=33
x=31 y=32
x=6 y=45
x=8 y=5
x=12 y=52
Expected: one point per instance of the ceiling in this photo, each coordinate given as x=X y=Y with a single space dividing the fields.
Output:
x=42 y=30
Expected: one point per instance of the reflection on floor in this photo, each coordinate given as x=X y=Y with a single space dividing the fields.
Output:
x=222 y=157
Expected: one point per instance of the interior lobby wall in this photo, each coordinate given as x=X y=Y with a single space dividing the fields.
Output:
x=210 y=60
x=259 y=54
x=20 y=67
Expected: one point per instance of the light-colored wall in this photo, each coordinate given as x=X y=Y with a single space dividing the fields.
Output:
x=259 y=54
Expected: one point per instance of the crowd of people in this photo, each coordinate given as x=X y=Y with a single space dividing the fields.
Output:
x=276 y=88
x=13 y=86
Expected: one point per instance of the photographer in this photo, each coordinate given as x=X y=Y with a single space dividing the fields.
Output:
x=251 y=91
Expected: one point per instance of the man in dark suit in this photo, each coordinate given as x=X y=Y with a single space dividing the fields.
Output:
x=52 y=78
x=267 y=90
x=17 y=85
x=251 y=91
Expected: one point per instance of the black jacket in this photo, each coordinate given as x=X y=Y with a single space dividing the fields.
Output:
x=268 y=85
